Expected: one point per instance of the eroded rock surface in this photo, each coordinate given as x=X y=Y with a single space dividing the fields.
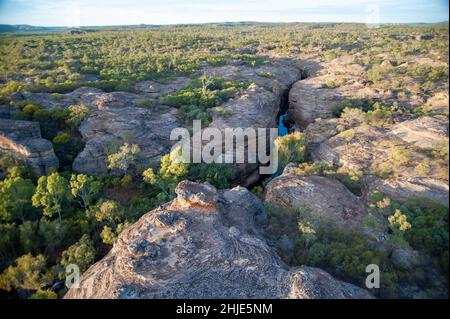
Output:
x=406 y=147
x=23 y=140
x=142 y=118
x=324 y=196
x=106 y=129
x=203 y=244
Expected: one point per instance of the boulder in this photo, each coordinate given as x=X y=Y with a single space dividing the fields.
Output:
x=105 y=129
x=203 y=244
x=324 y=196
x=22 y=139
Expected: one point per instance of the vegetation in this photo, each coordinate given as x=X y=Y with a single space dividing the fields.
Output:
x=203 y=93
x=303 y=237
x=291 y=149
x=49 y=222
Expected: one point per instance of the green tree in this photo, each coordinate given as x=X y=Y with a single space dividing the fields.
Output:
x=399 y=221
x=219 y=175
x=108 y=211
x=11 y=88
x=291 y=148
x=124 y=158
x=107 y=235
x=44 y=294
x=29 y=238
x=172 y=169
x=54 y=234
x=82 y=253
x=77 y=113
x=50 y=193
x=8 y=239
x=15 y=195
x=84 y=187
x=29 y=273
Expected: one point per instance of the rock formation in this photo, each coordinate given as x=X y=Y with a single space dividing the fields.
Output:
x=119 y=117
x=322 y=195
x=203 y=244
x=22 y=139
x=372 y=147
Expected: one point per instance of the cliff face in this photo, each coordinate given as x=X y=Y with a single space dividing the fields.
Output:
x=23 y=139
x=203 y=244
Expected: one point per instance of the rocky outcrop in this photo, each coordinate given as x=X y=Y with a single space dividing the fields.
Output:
x=308 y=100
x=324 y=196
x=256 y=107
x=106 y=129
x=425 y=132
x=203 y=244
x=22 y=139
x=371 y=150
x=142 y=118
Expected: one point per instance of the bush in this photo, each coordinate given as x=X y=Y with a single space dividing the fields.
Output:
x=291 y=148
x=44 y=294
x=302 y=237
x=82 y=254
x=205 y=92
x=219 y=175
x=77 y=113
x=11 y=88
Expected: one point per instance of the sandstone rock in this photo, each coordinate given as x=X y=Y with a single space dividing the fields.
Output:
x=308 y=100
x=117 y=125
x=117 y=117
x=438 y=102
x=23 y=140
x=186 y=250
x=256 y=107
x=324 y=196
x=373 y=146
x=156 y=88
x=425 y=132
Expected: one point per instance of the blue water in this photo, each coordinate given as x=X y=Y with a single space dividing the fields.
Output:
x=282 y=130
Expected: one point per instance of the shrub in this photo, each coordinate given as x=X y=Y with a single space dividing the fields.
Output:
x=291 y=148
x=82 y=254
x=77 y=113
x=11 y=88
x=61 y=138
x=126 y=157
x=219 y=175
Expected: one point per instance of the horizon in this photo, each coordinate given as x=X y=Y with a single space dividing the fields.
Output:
x=82 y=13
x=217 y=22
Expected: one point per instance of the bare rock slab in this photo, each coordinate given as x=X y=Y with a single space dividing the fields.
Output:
x=197 y=247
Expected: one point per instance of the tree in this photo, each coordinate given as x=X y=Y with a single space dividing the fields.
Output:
x=124 y=158
x=107 y=235
x=50 y=193
x=15 y=195
x=291 y=148
x=29 y=238
x=108 y=211
x=11 y=88
x=171 y=170
x=218 y=175
x=77 y=113
x=399 y=221
x=84 y=187
x=44 y=294
x=82 y=253
x=54 y=234
x=8 y=238
x=29 y=273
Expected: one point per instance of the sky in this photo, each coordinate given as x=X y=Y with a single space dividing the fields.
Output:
x=130 y=12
